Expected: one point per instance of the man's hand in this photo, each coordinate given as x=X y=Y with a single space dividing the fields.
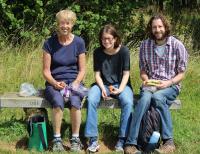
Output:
x=144 y=83
x=164 y=84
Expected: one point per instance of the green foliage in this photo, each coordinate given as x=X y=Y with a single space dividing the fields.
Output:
x=195 y=32
x=32 y=21
x=14 y=126
x=93 y=15
x=21 y=17
x=137 y=33
x=186 y=27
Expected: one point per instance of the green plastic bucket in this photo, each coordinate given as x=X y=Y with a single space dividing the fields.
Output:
x=37 y=133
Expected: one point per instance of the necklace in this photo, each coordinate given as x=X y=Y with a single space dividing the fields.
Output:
x=65 y=40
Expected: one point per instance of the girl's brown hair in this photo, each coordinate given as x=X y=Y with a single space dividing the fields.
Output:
x=110 y=29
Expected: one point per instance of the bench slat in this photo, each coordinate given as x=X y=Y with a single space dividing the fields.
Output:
x=13 y=100
x=176 y=104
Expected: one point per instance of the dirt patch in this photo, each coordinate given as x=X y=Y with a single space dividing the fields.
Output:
x=22 y=145
x=8 y=146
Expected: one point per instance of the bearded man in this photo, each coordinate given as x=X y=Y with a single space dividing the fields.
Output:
x=163 y=58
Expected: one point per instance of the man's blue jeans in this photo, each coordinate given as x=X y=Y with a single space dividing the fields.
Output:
x=126 y=103
x=161 y=99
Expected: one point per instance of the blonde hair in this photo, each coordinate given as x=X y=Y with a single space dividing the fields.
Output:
x=66 y=14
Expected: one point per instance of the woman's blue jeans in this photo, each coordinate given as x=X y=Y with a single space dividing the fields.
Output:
x=126 y=104
x=161 y=99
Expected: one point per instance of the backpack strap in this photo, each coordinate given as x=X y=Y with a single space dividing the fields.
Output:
x=41 y=134
x=30 y=127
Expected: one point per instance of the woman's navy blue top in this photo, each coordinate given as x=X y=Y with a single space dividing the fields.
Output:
x=64 y=58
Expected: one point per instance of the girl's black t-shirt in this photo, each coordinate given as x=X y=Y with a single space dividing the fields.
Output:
x=111 y=67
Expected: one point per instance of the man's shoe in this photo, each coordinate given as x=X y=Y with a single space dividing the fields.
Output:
x=119 y=147
x=93 y=146
x=131 y=149
x=76 y=144
x=57 y=145
x=166 y=148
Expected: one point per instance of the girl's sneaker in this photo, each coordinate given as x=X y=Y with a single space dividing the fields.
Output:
x=93 y=146
x=119 y=147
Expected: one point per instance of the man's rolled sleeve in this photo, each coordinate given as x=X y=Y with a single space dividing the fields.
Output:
x=183 y=58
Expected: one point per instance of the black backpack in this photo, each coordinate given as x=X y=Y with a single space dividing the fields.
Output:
x=150 y=122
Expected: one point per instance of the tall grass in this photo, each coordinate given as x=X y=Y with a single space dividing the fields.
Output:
x=23 y=64
x=186 y=121
x=18 y=65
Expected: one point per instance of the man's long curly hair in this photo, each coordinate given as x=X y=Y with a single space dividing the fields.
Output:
x=165 y=23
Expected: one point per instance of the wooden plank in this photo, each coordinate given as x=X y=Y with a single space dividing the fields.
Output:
x=176 y=104
x=13 y=100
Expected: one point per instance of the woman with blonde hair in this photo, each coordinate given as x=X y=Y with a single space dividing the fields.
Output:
x=63 y=65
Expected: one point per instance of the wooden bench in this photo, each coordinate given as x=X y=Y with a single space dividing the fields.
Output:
x=13 y=100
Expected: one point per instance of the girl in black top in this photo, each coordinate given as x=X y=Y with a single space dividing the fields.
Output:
x=112 y=69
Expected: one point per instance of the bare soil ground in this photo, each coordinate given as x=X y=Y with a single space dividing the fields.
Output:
x=22 y=146
x=7 y=146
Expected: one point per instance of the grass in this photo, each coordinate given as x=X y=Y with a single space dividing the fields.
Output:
x=186 y=120
x=23 y=64
x=18 y=65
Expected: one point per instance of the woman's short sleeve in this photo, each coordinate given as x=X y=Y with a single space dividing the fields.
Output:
x=81 y=46
x=46 y=46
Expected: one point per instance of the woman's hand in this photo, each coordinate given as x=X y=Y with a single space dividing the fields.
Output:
x=104 y=94
x=60 y=85
x=75 y=85
x=115 y=91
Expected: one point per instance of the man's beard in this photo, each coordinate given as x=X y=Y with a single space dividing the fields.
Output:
x=164 y=35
